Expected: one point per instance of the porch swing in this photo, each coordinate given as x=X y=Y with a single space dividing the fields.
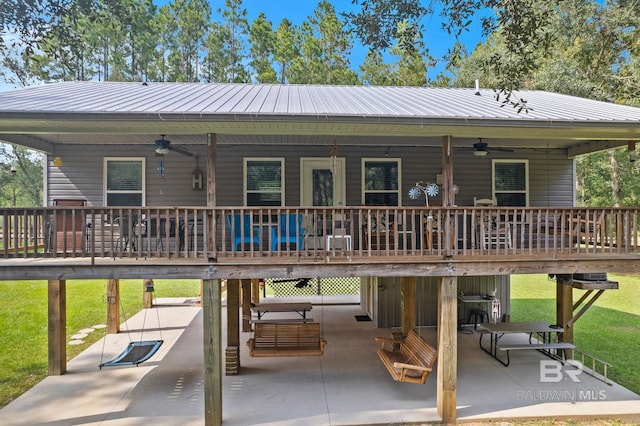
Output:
x=409 y=359
x=136 y=352
x=288 y=337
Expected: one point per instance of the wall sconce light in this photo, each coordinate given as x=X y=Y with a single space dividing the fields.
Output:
x=57 y=161
x=631 y=148
x=387 y=152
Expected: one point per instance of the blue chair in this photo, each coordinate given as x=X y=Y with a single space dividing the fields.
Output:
x=242 y=232
x=289 y=230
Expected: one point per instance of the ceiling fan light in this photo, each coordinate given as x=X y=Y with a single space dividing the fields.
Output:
x=480 y=153
x=162 y=151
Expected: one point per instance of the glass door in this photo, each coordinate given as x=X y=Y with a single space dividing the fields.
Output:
x=322 y=182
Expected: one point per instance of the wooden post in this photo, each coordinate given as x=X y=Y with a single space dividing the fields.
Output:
x=408 y=304
x=57 y=302
x=212 y=154
x=447 y=349
x=113 y=306
x=212 y=334
x=255 y=291
x=448 y=237
x=147 y=293
x=564 y=309
x=246 y=305
x=232 y=352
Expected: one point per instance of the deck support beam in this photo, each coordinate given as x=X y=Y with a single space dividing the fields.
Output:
x=57 y=325
x=232 y=353
x=212 y=333
x=113 y=306
x=564 y=310
x=246 y=305
x=447 y=349
x=408 y=304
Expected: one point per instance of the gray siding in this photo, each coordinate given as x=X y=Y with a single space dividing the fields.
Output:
x=81 y=176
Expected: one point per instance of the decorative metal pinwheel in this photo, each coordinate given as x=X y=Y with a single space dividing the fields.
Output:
x=429 y=190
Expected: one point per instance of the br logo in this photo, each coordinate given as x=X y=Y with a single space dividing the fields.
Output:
x=552 y=372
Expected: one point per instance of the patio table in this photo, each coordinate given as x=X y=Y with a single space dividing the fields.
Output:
x=497 y=330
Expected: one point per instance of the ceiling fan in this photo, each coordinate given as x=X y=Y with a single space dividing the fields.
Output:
x=162 y=146
x=300 y=282
x=480 y=149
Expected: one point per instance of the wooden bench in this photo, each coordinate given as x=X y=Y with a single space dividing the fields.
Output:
x=411 y=362
x=275 y=339
x=546 y=348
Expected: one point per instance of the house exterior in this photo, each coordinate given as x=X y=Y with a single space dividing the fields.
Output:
x=240 y=182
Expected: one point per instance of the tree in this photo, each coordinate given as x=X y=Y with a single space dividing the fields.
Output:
x=20 y=177
x=285 y=48
x=324 y=47
x=186 y=24
x=522 y=24
x=262 y=41
x=237 y=30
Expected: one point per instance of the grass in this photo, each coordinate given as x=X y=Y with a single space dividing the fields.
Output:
x=608 y=330
x=23 y=315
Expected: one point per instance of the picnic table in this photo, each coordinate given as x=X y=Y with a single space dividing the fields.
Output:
x=300 y=308
x=541 y=328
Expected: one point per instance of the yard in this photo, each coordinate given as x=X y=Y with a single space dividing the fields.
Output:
x=609 y=330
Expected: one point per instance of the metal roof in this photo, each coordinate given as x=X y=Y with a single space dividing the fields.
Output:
x=113 y=108
x=303 y=100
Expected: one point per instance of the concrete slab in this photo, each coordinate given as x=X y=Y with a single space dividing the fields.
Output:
x=347 y=386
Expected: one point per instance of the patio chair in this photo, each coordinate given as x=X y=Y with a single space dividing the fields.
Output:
x=380 y=234
x=288 y=230
x=242 y=231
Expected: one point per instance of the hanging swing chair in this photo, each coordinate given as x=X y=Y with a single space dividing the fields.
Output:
x=136 y=352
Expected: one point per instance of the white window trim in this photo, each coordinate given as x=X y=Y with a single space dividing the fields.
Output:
x=144 y=178
x=244 y=177
x=526 y=177
x=398 y=161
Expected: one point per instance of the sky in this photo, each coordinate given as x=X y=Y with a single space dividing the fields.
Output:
x=297 y=11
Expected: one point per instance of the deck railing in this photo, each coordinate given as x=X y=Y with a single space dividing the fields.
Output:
x=319 y=232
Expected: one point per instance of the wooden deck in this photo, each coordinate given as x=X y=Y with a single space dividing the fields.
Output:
x=204 y=243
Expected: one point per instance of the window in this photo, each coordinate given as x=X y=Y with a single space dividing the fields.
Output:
x=381 y=182
x=124 y=181
x=511 y=182
x=264 y=181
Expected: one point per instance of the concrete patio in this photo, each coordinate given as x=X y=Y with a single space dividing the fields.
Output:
x=348 y=385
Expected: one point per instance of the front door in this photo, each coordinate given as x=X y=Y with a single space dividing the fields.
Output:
x=322 y=181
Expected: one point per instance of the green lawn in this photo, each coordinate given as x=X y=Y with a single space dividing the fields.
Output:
x=23 y=315
x=608 y=330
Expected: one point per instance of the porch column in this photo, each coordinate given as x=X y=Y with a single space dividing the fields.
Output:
x=564 y=309
x=447 y=349
x=246 y=305
x=113 y=306
x=408 y=304
x=212 y=334
x=448 y=197
x=147 y=293
x=57 y=295
x=255 y=290
x=232 y=353
x=447 y=172
x=212 y=153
